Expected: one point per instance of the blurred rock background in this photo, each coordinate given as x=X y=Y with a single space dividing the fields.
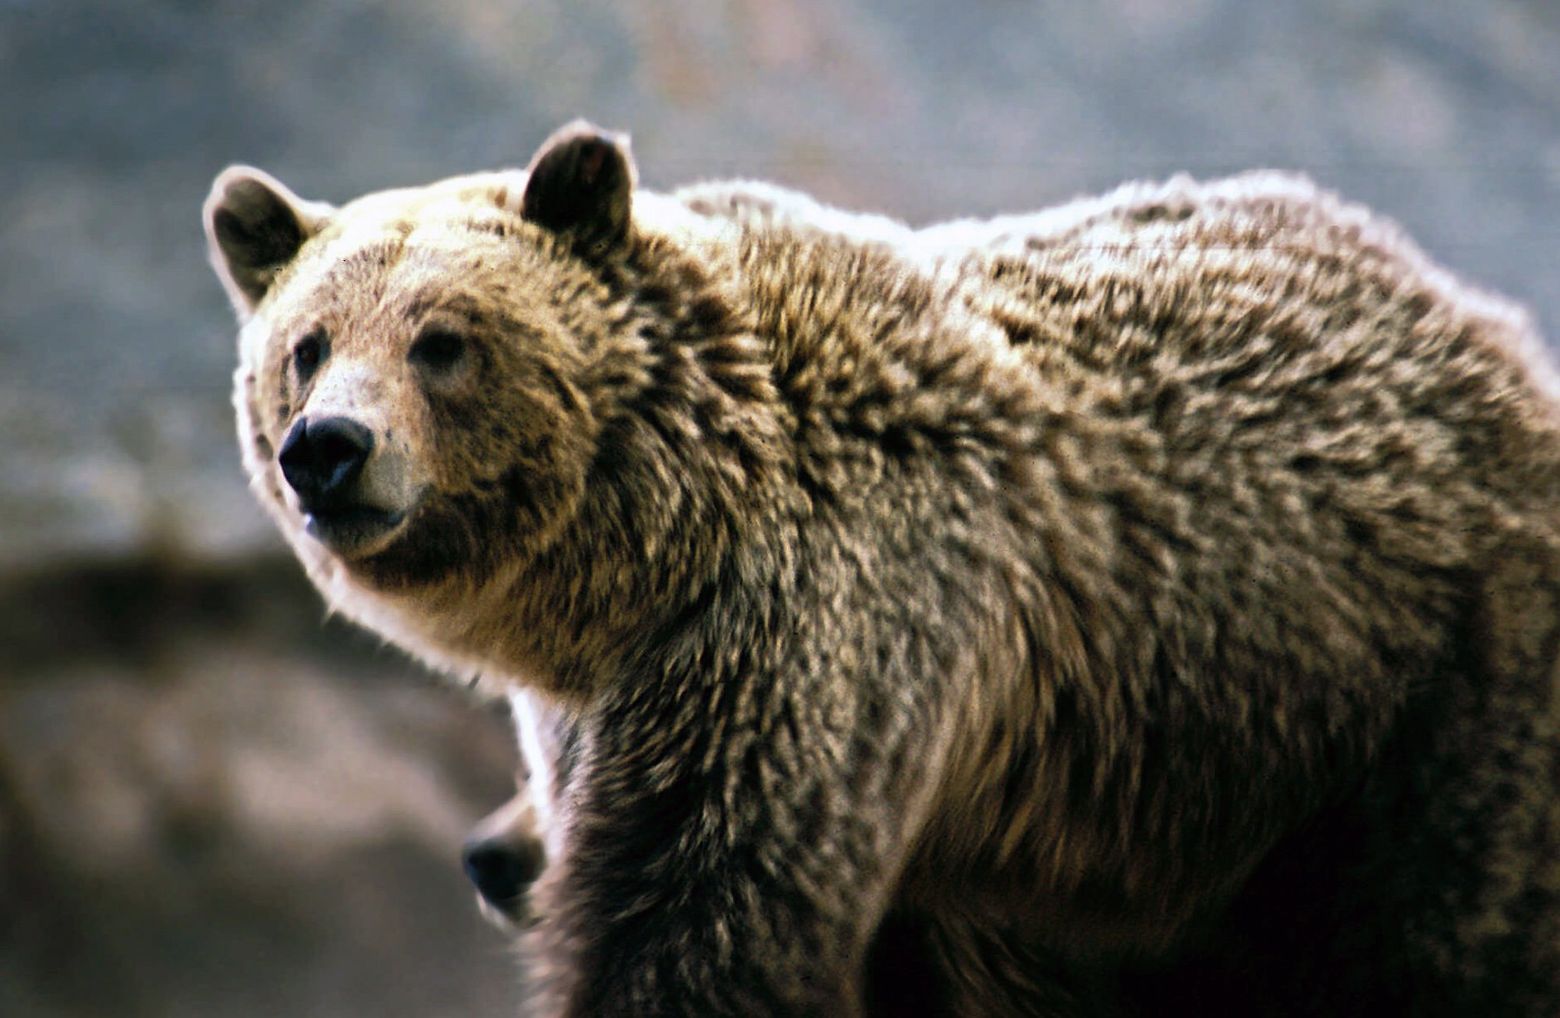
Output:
x=214 y=802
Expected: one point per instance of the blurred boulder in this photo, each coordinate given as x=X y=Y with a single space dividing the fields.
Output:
x=215 y=802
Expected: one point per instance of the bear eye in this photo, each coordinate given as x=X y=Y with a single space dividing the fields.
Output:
x=309 y=353
x=437 y=350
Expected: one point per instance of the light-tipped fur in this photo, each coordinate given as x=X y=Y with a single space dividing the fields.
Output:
x=1151 y=605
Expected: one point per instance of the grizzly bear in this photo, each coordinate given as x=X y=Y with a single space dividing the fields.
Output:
x=1149 y=606
x=508 y=849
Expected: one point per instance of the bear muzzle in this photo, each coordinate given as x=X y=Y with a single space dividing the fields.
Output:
x=502 y=858
x=323 y=461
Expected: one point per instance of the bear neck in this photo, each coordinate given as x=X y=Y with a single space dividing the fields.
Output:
x=780 y=363
x=692 y=484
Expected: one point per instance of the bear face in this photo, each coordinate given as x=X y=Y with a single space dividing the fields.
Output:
x=384 y=324
x=424 y=375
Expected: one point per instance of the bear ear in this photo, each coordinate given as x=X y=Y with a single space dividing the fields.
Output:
x=581 y=185
x=254 y=227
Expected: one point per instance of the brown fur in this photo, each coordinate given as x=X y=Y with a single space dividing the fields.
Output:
x=1147 y=606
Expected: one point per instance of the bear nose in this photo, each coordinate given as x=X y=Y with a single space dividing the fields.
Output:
x=321 y=458
x=502 y=869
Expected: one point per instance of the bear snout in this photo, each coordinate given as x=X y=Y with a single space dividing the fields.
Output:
x=321 y=459
x=503 y=867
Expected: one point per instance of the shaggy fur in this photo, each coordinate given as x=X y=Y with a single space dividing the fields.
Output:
x=1144 y=607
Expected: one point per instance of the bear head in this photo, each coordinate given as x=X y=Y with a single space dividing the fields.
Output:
x=414 y=388
x=487 y=413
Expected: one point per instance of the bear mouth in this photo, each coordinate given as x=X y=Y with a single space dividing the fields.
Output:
x=350 y=530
